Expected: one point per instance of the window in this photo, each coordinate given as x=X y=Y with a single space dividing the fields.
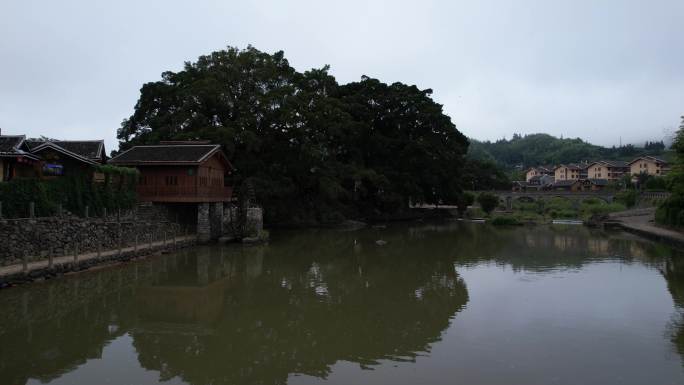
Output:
x=171 y=180
x=53 y=169
x=203 y=181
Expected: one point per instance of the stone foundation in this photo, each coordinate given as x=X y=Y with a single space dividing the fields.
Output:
x=253 y=228
x=203 y=223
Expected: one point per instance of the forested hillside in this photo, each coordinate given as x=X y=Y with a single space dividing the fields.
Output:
x=538 y=149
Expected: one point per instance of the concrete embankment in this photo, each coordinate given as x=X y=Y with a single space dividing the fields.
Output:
x=642 y=222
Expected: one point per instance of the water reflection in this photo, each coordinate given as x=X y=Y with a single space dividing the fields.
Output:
x=257 y=315
x=673 y=271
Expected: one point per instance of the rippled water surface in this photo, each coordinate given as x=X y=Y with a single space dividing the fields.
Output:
x=450 y=303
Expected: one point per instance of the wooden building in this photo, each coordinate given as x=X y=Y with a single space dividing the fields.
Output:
x=15 y=161
x=35 y=158
x=189 y=178
x=179 y=172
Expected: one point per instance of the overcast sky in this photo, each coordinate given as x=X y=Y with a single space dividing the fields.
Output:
x=596 y=69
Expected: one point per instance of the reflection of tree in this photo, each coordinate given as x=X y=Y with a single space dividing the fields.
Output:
x=311 y=298
x=543 y=248
x=311 y=308
x=49 y=329
x=673 y=271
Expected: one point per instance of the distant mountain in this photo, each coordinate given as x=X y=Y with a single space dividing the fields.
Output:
x=537 y=149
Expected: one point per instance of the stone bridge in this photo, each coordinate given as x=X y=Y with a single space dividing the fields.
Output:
x=533 y=196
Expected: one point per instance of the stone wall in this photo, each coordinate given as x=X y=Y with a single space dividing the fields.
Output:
x=203 y=222
x=216 y=219
x=253 y=222
x=57 y=236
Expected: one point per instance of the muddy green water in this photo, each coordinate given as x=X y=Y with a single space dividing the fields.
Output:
x=450 y=303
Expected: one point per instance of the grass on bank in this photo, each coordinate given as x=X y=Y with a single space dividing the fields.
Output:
x=547 y=210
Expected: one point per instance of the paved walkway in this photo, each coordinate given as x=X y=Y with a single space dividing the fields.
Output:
x=44 y=263
x=642 y=222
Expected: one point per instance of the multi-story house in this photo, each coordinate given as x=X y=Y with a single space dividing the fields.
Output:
x=570 y=171
x=649 y=165
x=607 y=169
x=538 y=172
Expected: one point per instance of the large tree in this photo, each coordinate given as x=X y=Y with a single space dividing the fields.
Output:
x=671 y=211
x=314 y=150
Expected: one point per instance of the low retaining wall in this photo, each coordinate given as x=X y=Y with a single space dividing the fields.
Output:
x=39 y=238
x=670 y=237
x=45 y=269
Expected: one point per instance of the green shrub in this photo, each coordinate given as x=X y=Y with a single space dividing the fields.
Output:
x=488 y=201
x=558 y=204
x=563 y=214
x=671 y=211
x=526 y=206
x=17 y=194
x=627 y=197
x=656 y=183
x=74 y=193
x=474 y=212
x=604 y=209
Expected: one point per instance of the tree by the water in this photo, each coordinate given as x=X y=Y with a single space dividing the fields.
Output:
x=671 y=211
x=315 y=151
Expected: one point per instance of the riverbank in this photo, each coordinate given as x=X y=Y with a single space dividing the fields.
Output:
x=642 y=223
x=26 y=272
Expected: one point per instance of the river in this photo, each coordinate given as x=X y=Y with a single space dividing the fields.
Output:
x=442 y=303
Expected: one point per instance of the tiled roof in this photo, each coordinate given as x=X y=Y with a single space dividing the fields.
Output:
x=13 y=146
x=33 y=143
x=563 y=183
x=10 y=143
x=54 y=146
x=617 y=163
x=542 y=169
x=89 y=149
x=573 y=166
x=612 y=163
x=165 y=154
x=649 y=157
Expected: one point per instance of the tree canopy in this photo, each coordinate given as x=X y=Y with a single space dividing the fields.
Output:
x=314 y=150
x=671 y=211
